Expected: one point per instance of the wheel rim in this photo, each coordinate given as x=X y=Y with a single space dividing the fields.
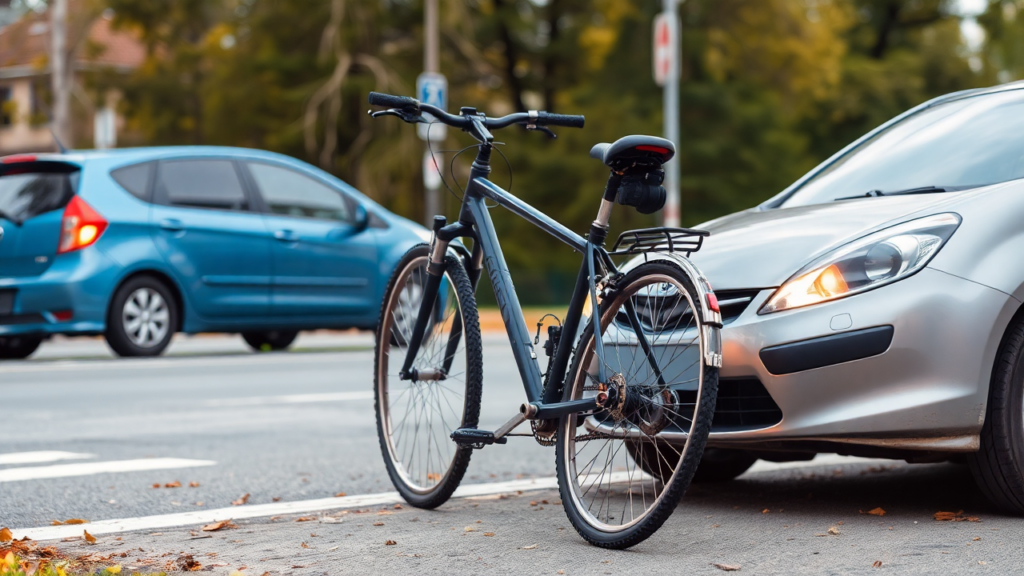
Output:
x=419 y=417
x=146 y=318
x=607 y=486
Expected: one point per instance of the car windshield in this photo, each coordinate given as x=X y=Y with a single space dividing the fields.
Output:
x=970 y=142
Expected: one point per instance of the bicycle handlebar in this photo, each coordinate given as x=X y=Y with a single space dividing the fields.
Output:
x=411 y=105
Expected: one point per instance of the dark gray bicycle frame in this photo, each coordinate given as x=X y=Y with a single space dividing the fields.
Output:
x=475 y=222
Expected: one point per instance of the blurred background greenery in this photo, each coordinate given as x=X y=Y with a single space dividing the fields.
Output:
x=769 y=89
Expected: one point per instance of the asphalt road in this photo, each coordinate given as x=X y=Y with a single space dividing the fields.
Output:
x=298 y=428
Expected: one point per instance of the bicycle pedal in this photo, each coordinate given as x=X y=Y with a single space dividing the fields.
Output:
x=476 y=438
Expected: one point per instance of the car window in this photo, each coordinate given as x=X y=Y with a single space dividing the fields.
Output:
x=134 y=179
x=970 y=142
x=26 y=194
x=290 y=193
x=212 y=184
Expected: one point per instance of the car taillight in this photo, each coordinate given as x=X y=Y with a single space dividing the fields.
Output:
x=81 y=226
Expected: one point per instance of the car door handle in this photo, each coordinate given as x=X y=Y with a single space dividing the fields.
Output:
x=286 y=236
x=172 y=225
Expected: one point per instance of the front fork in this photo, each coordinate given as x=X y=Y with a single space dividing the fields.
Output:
x=443 y=235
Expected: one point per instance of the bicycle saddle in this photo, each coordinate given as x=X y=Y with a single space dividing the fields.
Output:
x=635 y=147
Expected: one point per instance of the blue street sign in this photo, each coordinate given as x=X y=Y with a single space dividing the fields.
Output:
x=432 y=88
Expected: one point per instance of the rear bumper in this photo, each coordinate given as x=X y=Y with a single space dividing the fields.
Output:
x=79 y=281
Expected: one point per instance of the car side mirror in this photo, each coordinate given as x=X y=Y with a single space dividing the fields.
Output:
x=361 y=219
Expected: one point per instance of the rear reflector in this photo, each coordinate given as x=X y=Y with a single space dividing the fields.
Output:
x=713 y=302
x=63 y=315
x=81 y=226
x=657 y=149
x=16 y=158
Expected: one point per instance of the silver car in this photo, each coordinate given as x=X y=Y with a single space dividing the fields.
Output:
x=873 y=308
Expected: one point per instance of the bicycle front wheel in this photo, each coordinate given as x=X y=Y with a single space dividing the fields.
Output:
x=662 y=402
x=415 y=417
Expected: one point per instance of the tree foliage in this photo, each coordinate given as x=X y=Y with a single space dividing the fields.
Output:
x=770 y=88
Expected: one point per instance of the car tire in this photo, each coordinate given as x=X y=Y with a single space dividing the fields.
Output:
x=143 y=318
x=270 y=340
x=998 y=466
x=716 y=464
x=18 y=347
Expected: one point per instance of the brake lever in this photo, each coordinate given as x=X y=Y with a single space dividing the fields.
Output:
x=405 y=115
x=543 y=129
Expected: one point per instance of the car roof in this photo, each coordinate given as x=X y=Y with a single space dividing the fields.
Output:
x=157 y=152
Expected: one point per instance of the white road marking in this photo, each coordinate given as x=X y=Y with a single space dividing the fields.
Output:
x=183 y=362
x=358 y=501
x=261 y=510
x=292 y=399
x=41 y=457
x=87 y=469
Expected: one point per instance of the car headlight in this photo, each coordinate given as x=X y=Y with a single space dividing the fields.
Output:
x=869 y=262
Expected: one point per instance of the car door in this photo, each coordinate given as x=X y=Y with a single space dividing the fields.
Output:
x=218 y=246
x=324 y=261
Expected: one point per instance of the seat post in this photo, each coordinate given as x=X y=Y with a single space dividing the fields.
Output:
x=608 y=200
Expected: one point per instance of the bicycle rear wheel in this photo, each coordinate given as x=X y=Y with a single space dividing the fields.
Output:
x=609 y=498
x=415 y=418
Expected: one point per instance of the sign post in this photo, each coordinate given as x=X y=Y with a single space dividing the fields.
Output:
x=432 y=88
x=666 y=74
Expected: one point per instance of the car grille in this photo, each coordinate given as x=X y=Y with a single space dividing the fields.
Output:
x=672 y=311
x=744 y=404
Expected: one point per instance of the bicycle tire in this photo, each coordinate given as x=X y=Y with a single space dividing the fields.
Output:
x=589 y=526
x=435 y=487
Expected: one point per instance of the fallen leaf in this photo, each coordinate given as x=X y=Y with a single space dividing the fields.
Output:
x=765 y=511
x=955 y=517
x=433 y=476
x=339 y=495
x=834 y=531
x=469 y=529
x=5 y=535
x=530 y=547
x=378 y=523
x=488 y=533
x=89 y=537
x=218 y=526
x=71 y=521
x=332 y=548
x=193 y=484
x=390 y=542
x=304 y=545
x=533 y=503
x=877 y=564
x=241 y=500
x=174 y=484
x=187 y=563
x=727 y=567
x=397 y=506
x=561 y=572
x=976 y=538
x=276 y=498
x=874 y=512
x=305 y=519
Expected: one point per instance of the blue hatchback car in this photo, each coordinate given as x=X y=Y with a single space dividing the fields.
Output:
x=137 y=244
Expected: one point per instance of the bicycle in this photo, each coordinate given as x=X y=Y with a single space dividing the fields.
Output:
x=629 y=417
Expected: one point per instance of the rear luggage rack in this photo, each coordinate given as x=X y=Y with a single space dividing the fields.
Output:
x=659 y=240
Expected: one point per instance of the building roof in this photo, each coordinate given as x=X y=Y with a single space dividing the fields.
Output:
x=25 y=44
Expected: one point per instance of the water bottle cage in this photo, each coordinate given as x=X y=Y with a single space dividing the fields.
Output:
x=642 y=190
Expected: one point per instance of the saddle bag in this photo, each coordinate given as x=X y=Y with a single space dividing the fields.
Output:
x=643 y=190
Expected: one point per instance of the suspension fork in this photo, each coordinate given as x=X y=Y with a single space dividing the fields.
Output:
x=473 y=267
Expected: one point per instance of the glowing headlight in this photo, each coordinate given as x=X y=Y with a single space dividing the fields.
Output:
x=872 y=261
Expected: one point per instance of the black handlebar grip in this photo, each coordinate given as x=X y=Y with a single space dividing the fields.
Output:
x=567 y=120
x=391 y=101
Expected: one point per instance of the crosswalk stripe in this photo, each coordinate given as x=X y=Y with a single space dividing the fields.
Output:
x=90 y=468
x=41 y=457
x=292 y=399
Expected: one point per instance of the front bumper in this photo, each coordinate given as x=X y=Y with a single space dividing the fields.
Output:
x=79 y=281
x=927 y=391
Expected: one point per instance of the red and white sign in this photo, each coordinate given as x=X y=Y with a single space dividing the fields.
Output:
x=665 y=60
